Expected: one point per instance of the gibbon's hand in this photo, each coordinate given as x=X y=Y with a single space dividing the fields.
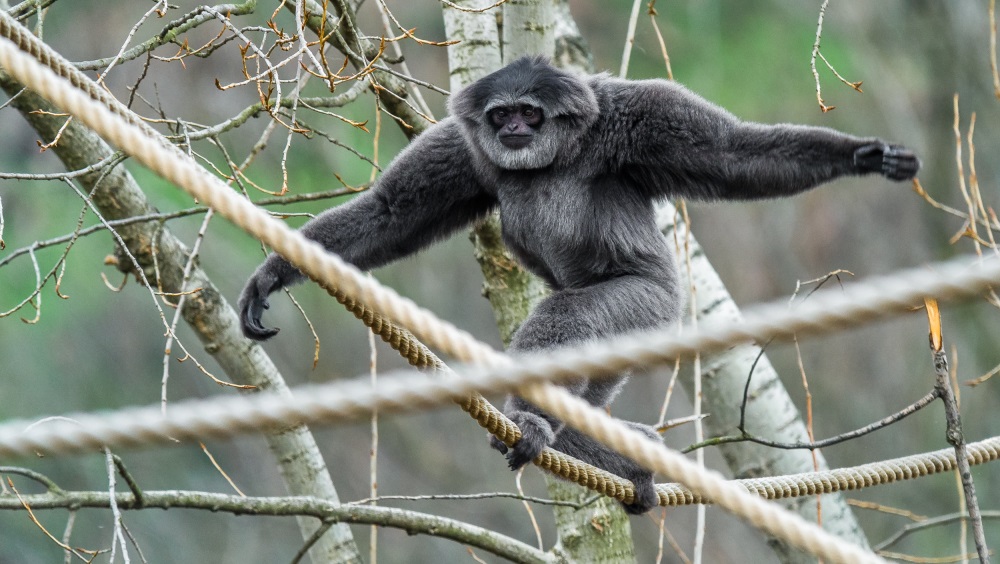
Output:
x=253 y=302
x=894 y=162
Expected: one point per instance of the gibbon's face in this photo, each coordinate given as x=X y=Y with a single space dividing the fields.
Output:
x=516 y=125
x=526 y=115
x=517 y=132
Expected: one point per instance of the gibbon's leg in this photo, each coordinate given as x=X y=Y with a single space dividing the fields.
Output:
x=574 y=316
x=581 y=446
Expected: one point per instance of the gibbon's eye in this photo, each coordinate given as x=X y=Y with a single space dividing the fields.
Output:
x=499 y=116
x=532 y=115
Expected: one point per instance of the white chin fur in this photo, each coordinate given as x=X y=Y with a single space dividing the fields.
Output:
x=525 y=158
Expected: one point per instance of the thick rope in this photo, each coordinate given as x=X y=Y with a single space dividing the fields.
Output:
x=104 y=114
x=488 y=416
x=399 y=339
x=708 y=484
x=847 y=479
x=310 y=257
x=228 y=416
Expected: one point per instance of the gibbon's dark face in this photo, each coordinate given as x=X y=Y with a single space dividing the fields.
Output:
x=516 y=125
x=526 y=115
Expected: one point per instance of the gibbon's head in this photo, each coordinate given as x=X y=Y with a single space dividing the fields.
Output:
x=526 y=114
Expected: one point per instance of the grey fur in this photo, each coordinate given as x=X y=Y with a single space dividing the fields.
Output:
x=577 y=210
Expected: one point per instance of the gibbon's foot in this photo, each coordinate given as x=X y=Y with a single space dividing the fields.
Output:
x=497 y=444
x=645 y=497
x=536 y=434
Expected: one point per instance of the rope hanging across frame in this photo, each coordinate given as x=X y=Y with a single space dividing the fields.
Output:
x=172 y=164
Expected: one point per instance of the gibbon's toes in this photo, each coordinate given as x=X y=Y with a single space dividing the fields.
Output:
x=645 y=497
x=498 y=444
x=899 y=163
x=525 y=450
x=536 y=434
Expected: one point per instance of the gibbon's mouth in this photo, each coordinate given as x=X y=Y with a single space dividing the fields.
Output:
x=515 y=141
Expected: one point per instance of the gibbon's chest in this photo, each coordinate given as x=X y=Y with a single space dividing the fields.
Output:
x=573 y=230
x=545 y=219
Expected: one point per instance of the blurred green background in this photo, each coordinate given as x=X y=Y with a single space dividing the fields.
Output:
x=104 y=350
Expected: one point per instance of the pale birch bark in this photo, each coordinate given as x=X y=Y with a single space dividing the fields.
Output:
x=770 y=411
x=528 y=28
x=117 y=195
x=512 y=292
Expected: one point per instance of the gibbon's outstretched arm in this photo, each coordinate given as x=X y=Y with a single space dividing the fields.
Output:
x=426 y=193
x=683 y=145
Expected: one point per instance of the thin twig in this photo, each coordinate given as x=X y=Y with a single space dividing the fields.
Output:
x=117 y=537
x=659 y=37
x=993 y=48
x=373 y=452
x=313 y=539
x=815 y=53
x=885 y=422
x=938 y=521
x=633 y=18
x=953 y=434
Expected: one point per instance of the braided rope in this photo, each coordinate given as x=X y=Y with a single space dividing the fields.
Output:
x=309 y=257
x=847 y=479
x=708 y=484
x=229 y=416
x=488 y=416
x=105 y=115
x=27 y=42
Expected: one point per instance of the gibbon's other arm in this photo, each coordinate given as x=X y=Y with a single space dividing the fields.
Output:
x=683 y=145
x=426 y=193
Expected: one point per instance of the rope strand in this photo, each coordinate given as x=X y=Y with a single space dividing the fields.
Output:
x=488 y=416
x=866 y=302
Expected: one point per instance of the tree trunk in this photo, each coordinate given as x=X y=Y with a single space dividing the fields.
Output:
x=770 y=411
x=118 y=196
x=513 y=292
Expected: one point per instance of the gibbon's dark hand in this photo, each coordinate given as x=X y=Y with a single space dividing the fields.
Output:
x=253 y=302
x=894 y=162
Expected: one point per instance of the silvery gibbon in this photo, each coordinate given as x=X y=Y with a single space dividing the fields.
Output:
x=574 y=165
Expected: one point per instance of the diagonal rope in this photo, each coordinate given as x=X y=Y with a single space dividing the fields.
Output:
x=310 y=258
x=228 y=416
x=709 y=484
x=399 y=339
x=488 y=416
